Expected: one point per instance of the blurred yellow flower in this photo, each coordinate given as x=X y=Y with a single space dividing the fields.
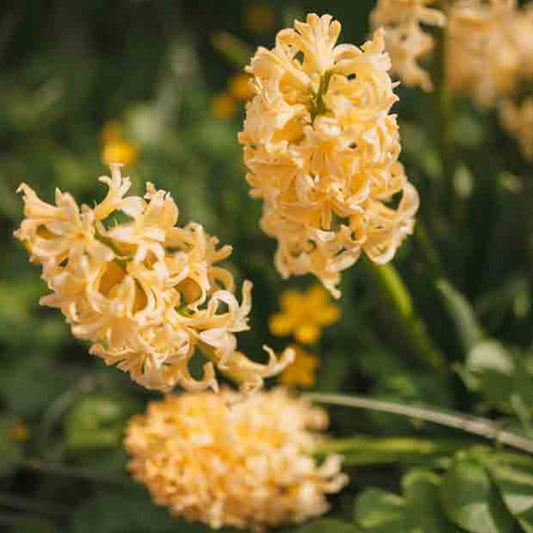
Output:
x=19 y=431
x=223 y=106
x=225 y=461
x=407 y=40
x=119 y=151
x=517 y=120
x=302 y=370
x=116 y=149
x=240 y=86
x=489 y=49
x=304 y=314
x=260 y=17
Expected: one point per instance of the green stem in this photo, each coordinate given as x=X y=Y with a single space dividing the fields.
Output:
x=73 y=472
x=470 y=424
x=400 y=305
x=364 y=450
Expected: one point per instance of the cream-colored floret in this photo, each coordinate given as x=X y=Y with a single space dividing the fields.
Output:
x=146 y=293
x=489 y=48
x=224 y=461
x=406 y=40
x=322 y=151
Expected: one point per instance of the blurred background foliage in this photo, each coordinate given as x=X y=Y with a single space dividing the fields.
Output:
x=162 y=78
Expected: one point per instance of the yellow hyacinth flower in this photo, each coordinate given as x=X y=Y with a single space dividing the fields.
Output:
x=147 y=294
x=322 y=151
x=304 y=314
x=301 y=371
x=216 y=459
x=407 y=40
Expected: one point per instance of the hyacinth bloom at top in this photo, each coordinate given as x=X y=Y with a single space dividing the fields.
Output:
x=145 y=293
x=322 y=150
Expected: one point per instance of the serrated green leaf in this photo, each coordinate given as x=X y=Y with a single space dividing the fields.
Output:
x=471 y=501
x=379 y=511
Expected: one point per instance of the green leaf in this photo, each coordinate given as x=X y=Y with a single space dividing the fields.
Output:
x=492 y=367
x=471 y=501
x=515 y=482
x=462 y=314
x=369 y=450
x=423 y=491
x=96 y=421
x=380 y=511
x=327 y=526
x=120 y=509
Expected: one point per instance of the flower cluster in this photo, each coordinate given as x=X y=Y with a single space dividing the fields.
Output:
x=249 y=464
x=489 y=49
x=406 y=40
x=145 y=293
x=487 y=46
x=322 y=150
x=489 y=56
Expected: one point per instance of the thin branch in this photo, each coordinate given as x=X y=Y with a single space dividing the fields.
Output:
x=475 y=425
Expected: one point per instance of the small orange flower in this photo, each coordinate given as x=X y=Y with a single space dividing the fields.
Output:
x=304 y=314
x=119 y=151
x=302 y=371
x=239 y=86
x=223 y=106
x=19 y=431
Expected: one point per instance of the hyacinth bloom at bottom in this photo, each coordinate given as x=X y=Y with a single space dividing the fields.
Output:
x=224 y=461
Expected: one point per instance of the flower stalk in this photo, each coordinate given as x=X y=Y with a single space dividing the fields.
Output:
x=400 y=306
x=479 y=426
